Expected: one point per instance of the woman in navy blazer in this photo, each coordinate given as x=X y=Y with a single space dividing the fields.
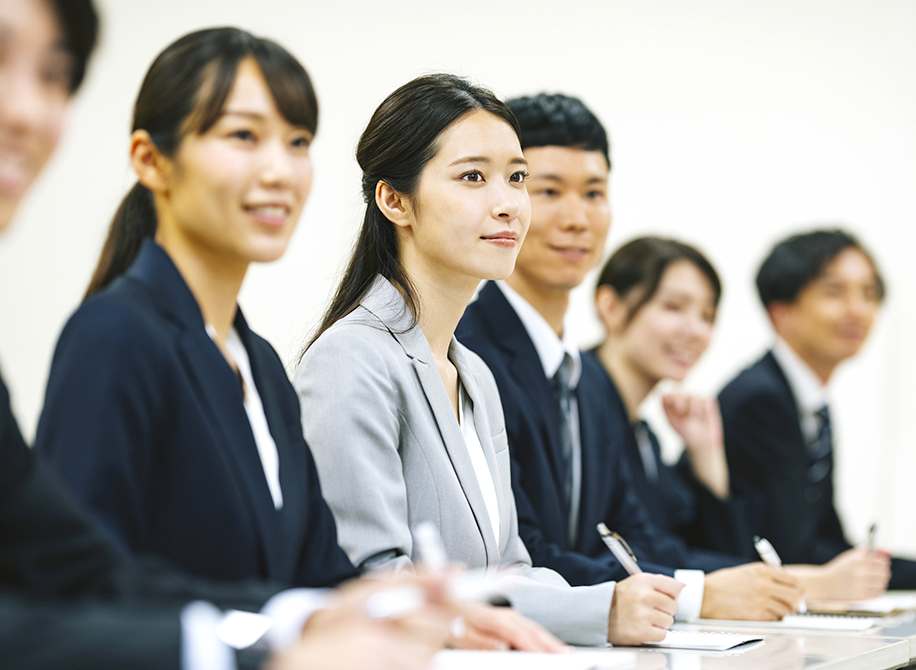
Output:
x=164 y=413
x=657 y=299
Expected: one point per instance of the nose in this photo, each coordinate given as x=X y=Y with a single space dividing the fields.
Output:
x=277 y=164
x=507 y=202
x=861 y=306
x=573 y=213
x=21 y=99
x=698 y=328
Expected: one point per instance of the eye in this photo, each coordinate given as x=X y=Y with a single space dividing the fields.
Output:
x=302 y=142
x=57 y=71
x=242 y=134
x=473 y=176
x=547 y=192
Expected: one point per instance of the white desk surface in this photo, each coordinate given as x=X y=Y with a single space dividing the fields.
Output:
x=782 y=651
x=902 y=626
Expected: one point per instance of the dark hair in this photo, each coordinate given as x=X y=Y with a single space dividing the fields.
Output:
x=401 y=138
x=637 y=268
x=184 y=92
x=80 y=24
x=559 y=120
x=797 y=261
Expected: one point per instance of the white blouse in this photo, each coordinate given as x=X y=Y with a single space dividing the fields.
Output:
x=478 y=460
x=267 y=447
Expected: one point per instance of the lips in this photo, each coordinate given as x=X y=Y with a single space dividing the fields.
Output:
x=16 y=172
x=274 y=214
x=571 y=252
x=505 y=238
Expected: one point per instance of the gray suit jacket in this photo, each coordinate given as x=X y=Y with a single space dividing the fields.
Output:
x=391 y=455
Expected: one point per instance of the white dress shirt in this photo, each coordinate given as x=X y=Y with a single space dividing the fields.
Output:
x=810 y=393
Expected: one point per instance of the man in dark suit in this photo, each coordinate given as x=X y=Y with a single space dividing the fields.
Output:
x=565 y=436
x=822 y=291
x=69 y=599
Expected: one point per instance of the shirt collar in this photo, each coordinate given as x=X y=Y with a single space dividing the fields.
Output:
x=810 y=393
x=550 y=348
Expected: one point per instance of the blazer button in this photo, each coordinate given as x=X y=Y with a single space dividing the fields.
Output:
x=812 y=495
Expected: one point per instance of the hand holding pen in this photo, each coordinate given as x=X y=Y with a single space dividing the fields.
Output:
x=644 y=604
x=769 y=556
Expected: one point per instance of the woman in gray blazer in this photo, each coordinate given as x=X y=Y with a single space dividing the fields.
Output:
x=405 y=423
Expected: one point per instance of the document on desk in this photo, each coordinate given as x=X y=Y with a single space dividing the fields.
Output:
x=800 y=622
x=588 y=659
x=704 y=641
x=889 y=604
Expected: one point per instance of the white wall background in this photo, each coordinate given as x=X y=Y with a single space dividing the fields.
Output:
x=732 y=125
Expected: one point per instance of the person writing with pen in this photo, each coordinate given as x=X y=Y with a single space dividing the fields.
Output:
x=565 y=436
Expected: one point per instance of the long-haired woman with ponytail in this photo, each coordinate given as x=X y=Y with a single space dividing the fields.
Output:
x=165 y=413
x=405 y=423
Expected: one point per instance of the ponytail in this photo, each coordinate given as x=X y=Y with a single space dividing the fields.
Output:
x=134 y=221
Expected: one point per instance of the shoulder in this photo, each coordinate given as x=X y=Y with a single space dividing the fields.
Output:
x=757 y=381
x=356 y=351
x=758 y=391
x=120 y=322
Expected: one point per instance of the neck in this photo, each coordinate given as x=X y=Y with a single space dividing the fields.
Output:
x=631 y=383
x=214 y=281
x=441 y=302
x=551 y=304
x=821 y=367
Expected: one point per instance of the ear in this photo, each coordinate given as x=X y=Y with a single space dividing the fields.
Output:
x=611 y=309
x=780 y=314
x=393 y=205
x=152 y=168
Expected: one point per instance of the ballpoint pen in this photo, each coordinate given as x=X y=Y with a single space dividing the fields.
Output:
x=770 y=557
x=872 y=532
x=620 y=549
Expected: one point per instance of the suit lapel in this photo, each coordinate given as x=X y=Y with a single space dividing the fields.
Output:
x=216 y=389
x=386 y=303
x=771 y=367
x=525 y=367
x=495 y=545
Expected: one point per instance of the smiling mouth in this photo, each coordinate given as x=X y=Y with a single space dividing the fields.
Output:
x=271 y=214
x=572 y=253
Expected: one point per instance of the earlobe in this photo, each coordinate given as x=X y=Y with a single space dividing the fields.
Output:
x=149 y=164
x=392 y=204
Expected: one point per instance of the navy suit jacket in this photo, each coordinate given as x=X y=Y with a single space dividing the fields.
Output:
x=678 y=503
x=492 y=329
x=144 y=420
x=766 y=452
x=68 y=597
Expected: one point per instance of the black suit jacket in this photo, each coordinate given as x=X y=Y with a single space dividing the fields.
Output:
x=144 y=420
x=492 y=329
x=678 y=503
x=766 y=452
x=68 y=598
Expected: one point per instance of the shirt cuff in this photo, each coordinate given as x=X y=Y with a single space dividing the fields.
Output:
x=290 y=610
x=201 y=647
x=690 y=602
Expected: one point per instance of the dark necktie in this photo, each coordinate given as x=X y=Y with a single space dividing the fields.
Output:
x=820 y=449
x=563 y=393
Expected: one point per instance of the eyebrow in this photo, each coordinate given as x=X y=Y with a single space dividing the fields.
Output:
x=485 y=159
x=553 y=177
x=250 y=115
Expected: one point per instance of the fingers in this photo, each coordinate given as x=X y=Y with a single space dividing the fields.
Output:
x=510 y=629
